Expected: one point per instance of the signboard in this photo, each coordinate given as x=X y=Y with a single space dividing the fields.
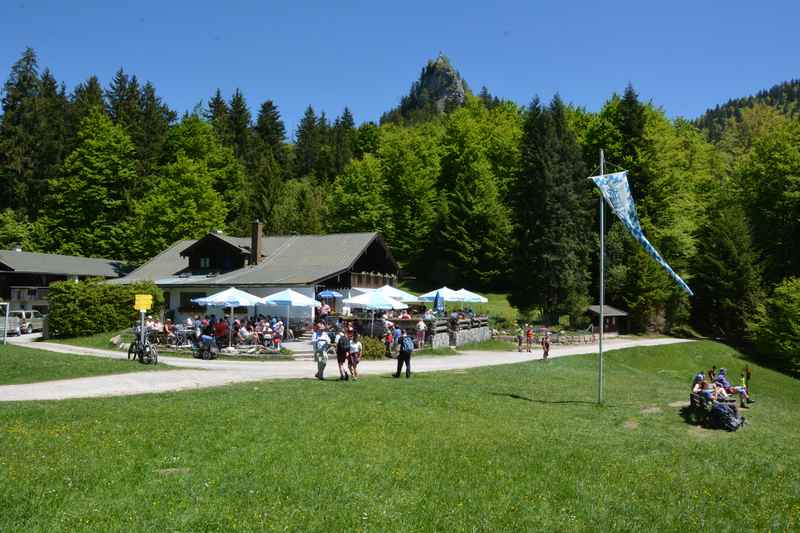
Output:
x=143 y=302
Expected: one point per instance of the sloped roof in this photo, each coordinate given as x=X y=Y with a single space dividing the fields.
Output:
x=607 y=311
x=39 y=263
x=289 y=260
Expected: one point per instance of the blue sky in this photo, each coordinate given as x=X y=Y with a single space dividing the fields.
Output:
x=684 y=56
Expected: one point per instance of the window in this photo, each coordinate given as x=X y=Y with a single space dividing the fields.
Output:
x=205 y=262
x=186 y=301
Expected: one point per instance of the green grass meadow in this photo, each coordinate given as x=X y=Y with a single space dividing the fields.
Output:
x=20 y=364
x=511 y=448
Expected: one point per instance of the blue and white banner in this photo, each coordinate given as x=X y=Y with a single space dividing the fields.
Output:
x=617 y=193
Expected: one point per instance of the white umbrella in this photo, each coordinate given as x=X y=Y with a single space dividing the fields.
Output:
x=290 y=298
x=472 y=297
x=372 y=301
x=449 y=295
x=396 y=294
x=232 y=297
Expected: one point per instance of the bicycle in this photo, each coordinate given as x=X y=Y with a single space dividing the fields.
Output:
x=145 y=352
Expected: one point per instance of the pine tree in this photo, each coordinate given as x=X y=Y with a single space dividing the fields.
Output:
x=18 y=130
x=271 y=130
x=51 y=133
x=217 y=115
x=726 y=279
x=156 y=118
x=122 y=102
x=239 y=122
x=552 y=212
x=325 y=166
x=344 y=137
x=266 y=178
x=307 y=144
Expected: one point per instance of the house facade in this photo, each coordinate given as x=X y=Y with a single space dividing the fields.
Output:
x=26 y=276
x=262 y=266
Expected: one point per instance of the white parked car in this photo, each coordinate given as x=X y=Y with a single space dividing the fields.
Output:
x=27 y=321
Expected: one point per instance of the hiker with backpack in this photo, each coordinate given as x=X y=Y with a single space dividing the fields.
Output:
x=342 y=353
x=406 y=345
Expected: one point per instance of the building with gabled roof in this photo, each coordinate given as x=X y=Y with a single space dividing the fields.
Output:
x=262 y=265
x=26 y=276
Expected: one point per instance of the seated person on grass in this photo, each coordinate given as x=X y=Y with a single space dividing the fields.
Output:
x=723 y=382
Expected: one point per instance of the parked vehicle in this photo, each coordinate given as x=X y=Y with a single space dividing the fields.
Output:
x=28 y=321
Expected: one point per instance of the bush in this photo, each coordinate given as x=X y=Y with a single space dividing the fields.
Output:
x=88 y=307
x=372 y=348
x=778 y=329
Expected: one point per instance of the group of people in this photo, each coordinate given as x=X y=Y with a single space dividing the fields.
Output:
x=527 y=336
x=714 y=386
x=261 y=330
x=346 y=343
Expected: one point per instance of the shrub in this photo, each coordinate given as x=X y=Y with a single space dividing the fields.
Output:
x=372 y=348
x=778 y=329
x=92 y=306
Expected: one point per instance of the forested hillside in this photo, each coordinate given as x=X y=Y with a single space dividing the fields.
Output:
x=785 y=97
x=469 y=190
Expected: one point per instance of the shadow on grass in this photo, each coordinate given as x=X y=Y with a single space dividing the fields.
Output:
x=553 y=402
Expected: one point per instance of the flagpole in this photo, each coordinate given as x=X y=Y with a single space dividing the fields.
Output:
x=602 y=286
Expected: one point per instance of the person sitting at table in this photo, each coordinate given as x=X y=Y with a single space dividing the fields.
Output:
x=245 y=335
x=405 y=315
x=428 y=314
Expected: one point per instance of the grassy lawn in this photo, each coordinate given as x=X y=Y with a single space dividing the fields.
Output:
x=512 y=448
x=28 y=365
x=100 y=341
x=492 y=345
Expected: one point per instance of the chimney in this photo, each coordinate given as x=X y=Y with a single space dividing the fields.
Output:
x=256 y=245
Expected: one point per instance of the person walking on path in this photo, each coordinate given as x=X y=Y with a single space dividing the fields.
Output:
x=520 y=333
x=342 y=353
x=355 y=355
x=321 y=341
x=546 y=346
x=529 y=336
x=406 y=345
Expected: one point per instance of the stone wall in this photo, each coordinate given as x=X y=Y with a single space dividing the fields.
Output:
x=469 y=336
x=440 y=340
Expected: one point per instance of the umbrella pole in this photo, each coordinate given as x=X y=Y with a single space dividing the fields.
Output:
x=230 y=330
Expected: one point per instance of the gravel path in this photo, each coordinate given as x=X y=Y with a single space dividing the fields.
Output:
x=195 y=374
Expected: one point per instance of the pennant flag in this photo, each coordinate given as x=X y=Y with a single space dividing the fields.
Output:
x=617 y=193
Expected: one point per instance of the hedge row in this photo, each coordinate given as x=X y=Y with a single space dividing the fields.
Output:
x=92 y=306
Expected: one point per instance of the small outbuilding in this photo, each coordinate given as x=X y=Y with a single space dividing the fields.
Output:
x=615 y=319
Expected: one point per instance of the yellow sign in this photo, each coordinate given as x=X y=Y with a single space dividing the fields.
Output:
x=143 y=302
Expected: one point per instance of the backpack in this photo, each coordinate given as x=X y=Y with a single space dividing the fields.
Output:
x=724 y=416
x=343 y=345
x=407 y=344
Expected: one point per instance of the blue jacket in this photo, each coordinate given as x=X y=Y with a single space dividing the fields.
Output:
x=723 y=381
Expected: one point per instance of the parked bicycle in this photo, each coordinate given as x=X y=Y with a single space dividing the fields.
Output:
x=145 y=352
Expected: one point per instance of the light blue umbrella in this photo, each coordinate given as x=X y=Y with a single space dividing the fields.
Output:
x=290 y=298
x=232 y=297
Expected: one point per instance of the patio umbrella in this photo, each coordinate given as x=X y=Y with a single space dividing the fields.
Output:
x=372 y=301
x=290 y=298
x=330 y=294
x=396 y=294
x=472 y=297
x=232 y=297
x=449 y=295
